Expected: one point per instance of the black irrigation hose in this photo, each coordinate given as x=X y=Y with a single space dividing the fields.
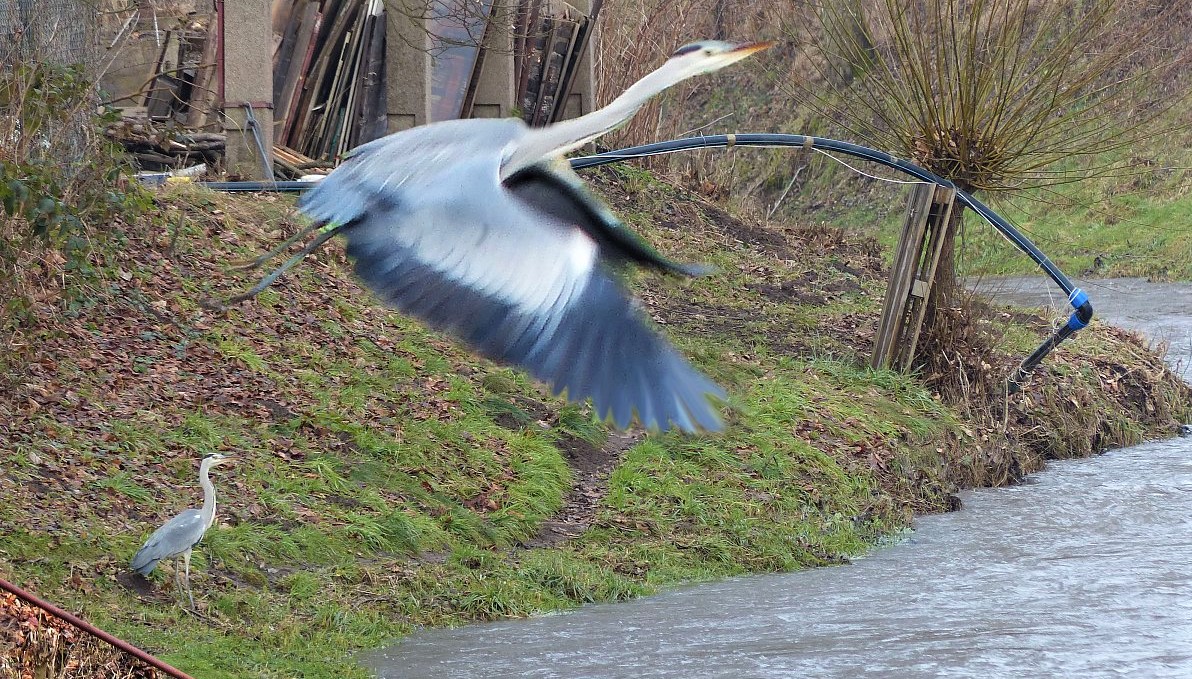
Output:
x=1076 y=297
x=257 y=186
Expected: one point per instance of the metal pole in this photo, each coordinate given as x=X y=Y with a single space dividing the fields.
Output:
x=92 y=629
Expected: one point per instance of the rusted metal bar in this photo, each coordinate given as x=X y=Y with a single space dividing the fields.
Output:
x=92 y=629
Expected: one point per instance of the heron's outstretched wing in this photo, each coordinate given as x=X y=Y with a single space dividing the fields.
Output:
x=407 y=162
x=451 y=246
x=177 y=535
x=554 y=189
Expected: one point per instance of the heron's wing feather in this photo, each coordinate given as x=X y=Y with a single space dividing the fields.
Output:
x=554 y=189
x=406 y=163
x=177 y=535
x=520 y=287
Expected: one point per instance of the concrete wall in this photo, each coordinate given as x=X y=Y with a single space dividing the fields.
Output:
x=407 y=65
x=495 y=89
x=408 y=68
x=248 y=78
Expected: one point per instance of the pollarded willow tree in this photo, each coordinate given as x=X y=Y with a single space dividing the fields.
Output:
x=996 y=95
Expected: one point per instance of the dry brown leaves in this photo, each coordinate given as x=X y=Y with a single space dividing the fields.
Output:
x=138 y=352
x=37 y=645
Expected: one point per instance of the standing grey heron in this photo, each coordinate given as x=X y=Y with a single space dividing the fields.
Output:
x=180 y=534
x=480 y=229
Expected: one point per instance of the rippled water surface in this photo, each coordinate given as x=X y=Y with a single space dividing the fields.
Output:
x=1162 y=311
x=1083 y=571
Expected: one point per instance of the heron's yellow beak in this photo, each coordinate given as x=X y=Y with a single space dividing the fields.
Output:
x=746 y=48
x=734 y=53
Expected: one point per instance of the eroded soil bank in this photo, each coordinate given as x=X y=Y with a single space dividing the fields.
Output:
x=387 y=479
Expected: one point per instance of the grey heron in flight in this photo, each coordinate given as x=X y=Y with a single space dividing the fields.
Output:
x=479 y=228
x=180 y=534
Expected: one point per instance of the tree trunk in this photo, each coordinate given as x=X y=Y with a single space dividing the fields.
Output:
x=943 y=322
x=944 y=290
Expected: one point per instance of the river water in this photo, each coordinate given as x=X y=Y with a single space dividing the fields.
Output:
x=1085 y=570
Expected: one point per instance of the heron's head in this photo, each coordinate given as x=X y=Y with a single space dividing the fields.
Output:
x=706 y=56
x=688 y=61
x=216 y=459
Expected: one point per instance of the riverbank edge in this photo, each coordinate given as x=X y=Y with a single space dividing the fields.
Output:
x=822 y=459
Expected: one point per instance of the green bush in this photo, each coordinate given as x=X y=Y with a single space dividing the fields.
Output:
x=58 y=173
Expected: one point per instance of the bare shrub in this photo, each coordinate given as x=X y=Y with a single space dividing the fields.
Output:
x=991 y=94
x=636 y=38
x=996 y=95
x=59 y=178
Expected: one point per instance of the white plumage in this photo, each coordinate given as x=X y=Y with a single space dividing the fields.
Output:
x=478 y=228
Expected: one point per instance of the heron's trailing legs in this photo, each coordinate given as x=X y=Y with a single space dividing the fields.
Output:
x=257 y=261
x=325 y=232
x=182 y=577
x=186 y=564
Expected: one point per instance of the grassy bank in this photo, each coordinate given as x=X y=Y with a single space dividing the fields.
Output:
x=1099 y=230
x=386 y=479
x=1128 y=216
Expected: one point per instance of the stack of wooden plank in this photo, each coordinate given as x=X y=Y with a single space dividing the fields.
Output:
x=162 y=144
x=328 y=75
x=291 y=164
x=180 y=88
x=551 y=38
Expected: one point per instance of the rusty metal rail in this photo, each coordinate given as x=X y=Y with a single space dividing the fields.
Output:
x=93 y=630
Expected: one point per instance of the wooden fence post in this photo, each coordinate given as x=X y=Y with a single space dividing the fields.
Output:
x=928 y=213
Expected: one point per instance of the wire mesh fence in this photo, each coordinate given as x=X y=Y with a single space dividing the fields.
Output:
x=44 y=43
x=57 y=30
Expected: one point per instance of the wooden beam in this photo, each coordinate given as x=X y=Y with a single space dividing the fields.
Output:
x=937 y=225
x=902 y=272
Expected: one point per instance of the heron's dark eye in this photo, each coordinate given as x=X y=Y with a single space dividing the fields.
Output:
x=687 y=49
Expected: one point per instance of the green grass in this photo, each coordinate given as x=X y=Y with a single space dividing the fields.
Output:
x=1089 y=232
x=385 y=479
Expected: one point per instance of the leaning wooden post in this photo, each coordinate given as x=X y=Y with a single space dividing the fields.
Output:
x=928 y=213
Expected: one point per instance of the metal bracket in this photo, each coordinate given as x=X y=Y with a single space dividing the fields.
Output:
x=248 y=104
x=255 y=128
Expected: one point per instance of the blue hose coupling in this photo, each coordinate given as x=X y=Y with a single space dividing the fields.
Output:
x=1079 y=300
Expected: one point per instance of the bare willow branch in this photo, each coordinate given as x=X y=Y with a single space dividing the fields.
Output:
x=994 y=93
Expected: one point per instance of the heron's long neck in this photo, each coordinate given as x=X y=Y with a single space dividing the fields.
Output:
x=568 y=135
x=208 y=512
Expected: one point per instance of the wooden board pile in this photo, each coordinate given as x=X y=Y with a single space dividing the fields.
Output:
x=182 y=88
x=162 y=145
x=165 y=127
x=290 y=164
x=551 y=38
x=328 y=75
